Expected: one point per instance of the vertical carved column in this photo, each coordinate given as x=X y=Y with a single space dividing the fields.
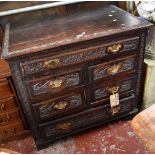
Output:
x=150 y=48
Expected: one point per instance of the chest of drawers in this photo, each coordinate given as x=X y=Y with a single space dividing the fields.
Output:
x=65 y=70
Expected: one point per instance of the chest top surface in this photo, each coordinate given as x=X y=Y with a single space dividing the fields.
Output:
x=48 y=33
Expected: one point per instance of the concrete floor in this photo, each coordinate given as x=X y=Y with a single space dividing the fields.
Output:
x=116 y=137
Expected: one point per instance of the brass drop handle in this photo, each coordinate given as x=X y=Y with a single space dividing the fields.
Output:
x=3 y=107
x=55 y=83
x=60 y=105
x=114 y=69
x=113 y=89
x=114 y=48
x=51 y=64
x=65 y=126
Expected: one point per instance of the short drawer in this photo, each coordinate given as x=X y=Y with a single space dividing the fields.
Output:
x=11 y=129
x=85 y=119
x=8 y=117
x=5 y=90
x=60 y=107
x=7 y=104
x=103 y=91
x=53 y=85
x=112 y=68
x=48 y=63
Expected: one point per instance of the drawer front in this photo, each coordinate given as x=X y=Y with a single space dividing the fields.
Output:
x=11 y=129
x=7 y=104
x=5 y=90
x=8 y=117
x=104 y=91
x=54 y=85
x=60 y=107
x=85 y=120
x=112 y=68
x=57 y=61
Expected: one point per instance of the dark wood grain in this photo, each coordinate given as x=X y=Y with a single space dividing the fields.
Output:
x=62 y=31
x=101 y=51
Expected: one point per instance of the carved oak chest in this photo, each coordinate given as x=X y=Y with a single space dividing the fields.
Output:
x=67 y=69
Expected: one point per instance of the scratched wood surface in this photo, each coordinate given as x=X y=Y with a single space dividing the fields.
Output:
x=26 y=37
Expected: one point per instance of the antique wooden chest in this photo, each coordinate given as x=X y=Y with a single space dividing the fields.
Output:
x=66 y=70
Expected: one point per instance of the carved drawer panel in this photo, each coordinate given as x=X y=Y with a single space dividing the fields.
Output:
x=104 y=91
x=51 y=85
x=7 y=104
x=58 y=102
x=60 y=107
x=5 y=90
x=75 y=57
x=8 y=117
x=86 y=119
x=11 y=129
x=112 y=68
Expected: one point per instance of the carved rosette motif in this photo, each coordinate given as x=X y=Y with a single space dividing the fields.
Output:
x=47 y=110
x=126 y=65
x=42 y=87
x=103 y=92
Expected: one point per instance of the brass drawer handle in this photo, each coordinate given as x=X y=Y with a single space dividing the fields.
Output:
x=114 y=48
x=51 y=64
x=60 y=105
x=113 y=89
x=115 y=110
x=114 y=69
x=3 y=107
x=65 y=126
x=57 y=85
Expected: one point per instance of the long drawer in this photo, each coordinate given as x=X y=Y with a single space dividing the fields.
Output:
x=86 y=119
x=47 y=63
x=60 y=107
